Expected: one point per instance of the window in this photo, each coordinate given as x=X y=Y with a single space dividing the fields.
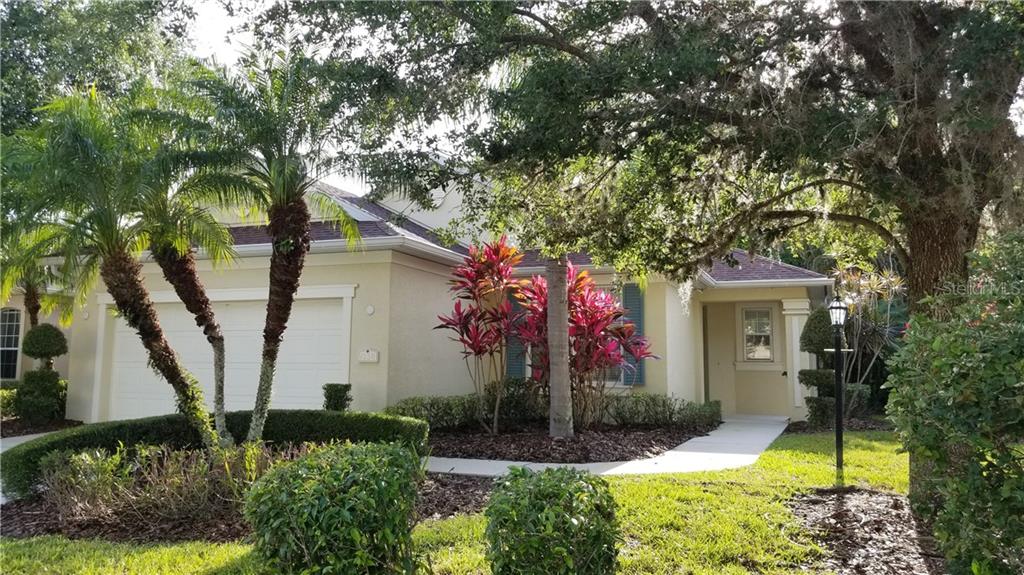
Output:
x=10 y=339
x=757 y=334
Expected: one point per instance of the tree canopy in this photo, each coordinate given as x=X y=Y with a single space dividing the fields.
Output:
x=659 y=135
x=52 y=46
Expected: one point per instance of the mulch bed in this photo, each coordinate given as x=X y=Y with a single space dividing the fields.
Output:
x=14 y=426
x=533 y=444
x=853 y=424
x=868 y=533
x=441 y=496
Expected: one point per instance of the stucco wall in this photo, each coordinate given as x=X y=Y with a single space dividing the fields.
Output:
x=424 y=361
x=749 y=387
x=382 y=279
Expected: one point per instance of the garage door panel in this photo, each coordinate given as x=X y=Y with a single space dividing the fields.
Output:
x=314 y=351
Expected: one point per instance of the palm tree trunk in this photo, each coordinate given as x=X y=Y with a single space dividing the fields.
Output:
x=122 y=275
x=558 y=349
x=289 y=228
x=180 y=271
x=32 y=304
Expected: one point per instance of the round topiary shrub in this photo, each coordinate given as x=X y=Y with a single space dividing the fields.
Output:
x=817 y=336
x=45 y=342
x=346 y=509
x=41 y=397
x=560 y=521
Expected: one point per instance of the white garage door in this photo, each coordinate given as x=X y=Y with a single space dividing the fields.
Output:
x=315 y=351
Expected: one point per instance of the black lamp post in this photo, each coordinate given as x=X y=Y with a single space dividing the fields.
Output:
x=837 y=313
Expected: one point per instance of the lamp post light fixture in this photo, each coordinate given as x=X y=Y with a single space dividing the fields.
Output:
x=837 y=313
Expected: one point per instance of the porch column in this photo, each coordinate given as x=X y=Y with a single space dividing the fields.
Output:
x=795 y=312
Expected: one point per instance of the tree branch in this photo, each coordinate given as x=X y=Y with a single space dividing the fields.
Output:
x=850 y=219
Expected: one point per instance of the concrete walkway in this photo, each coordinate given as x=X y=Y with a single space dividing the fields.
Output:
x=738 y=442
x=9 y=442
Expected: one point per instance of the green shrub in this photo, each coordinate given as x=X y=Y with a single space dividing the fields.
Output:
x=560 y=521
x=19 y=465
x=41 y=397
x=445 y=412
x=699 y=416
x=822 y=380
x=155 y=483
x=817 y=335
x=522 y=401
x=9 y=383
x=821 y=411
x=85 y=485
x=337 y=396
x=652 y=410
x=346 y=509
x=7 y=399
x=44 y=342
x=956 y=400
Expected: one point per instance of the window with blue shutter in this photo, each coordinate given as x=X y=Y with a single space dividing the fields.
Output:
x=515 y=351
x=633 y=301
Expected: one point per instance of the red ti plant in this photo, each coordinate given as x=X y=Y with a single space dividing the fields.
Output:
x=600 y=340
x=482 y=319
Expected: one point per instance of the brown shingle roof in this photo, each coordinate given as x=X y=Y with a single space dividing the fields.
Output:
x=758 y=268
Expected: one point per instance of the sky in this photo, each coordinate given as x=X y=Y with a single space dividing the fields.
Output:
x=214 y=34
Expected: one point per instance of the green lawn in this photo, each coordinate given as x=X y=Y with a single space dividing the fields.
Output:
x=715 y=523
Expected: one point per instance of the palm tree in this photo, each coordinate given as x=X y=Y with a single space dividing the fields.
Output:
x=176 y=218
x=90 y=168
x=281 y=115
x=20 y=263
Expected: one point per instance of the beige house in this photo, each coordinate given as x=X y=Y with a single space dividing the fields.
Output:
x=365 y=316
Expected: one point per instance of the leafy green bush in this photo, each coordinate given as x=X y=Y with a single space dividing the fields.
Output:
x=337 y=396
x=41 y=397
x=822 y=380
x=651 y=410
x=44 y=342
x=444 y=412
x=19 y=465
x=9 y=383
x=147 y=483
x=346 y=509
x=817 y=335
x=560 y=521
x=7 y=399
x=957 y=401
x=699 y=416
x=522 y=401
x=821 y=411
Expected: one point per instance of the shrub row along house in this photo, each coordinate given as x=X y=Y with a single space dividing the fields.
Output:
x=365 y=315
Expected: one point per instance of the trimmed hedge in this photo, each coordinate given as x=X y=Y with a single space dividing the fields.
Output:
x=19 y=466
x=337 y=396
x=444 y=412
x=647 y=409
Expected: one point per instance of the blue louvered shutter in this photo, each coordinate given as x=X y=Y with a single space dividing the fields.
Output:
x=515 y=351
x=633 y=301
